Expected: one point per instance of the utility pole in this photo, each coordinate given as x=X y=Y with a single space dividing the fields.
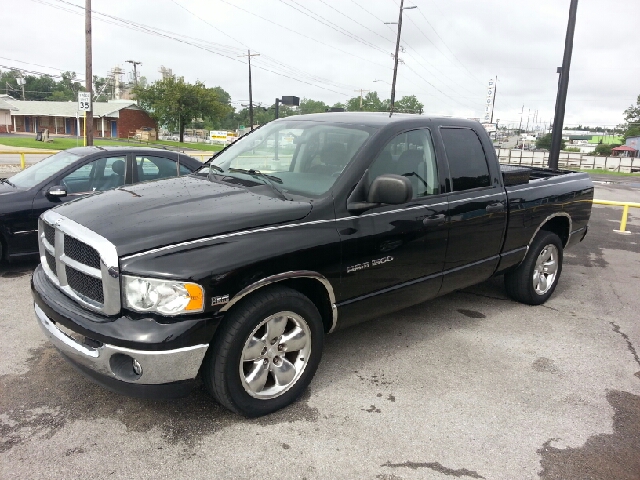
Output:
x=88 y=122
x=563 y=87
x=495 y=92
x=361 y=92
x=248 y=55
x=395 y=58
x=135 y=70
x=520 y=127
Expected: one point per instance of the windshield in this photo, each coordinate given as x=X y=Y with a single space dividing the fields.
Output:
x=43 y=170
x=302 y=157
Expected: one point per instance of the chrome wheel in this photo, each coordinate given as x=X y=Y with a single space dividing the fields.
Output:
x=546 y=268
x=275 y=355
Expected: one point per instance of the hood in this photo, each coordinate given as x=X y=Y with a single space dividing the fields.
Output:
x=154 y=214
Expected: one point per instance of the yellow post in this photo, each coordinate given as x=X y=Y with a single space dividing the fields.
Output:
x=623 y=220
x=22 y=164
x=85 y=129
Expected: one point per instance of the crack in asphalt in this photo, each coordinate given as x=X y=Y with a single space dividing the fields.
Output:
x=436 y=466
x=630 y=347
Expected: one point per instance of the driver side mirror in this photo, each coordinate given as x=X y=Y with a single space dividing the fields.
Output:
x=57 y=191
x=386 y=189
x=390 y=189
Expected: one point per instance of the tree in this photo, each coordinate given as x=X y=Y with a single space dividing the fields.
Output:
x=632 y=117
x=175 y=103
x=370 y=103
x=312 y=106
x=409 y=104
x=545 y=142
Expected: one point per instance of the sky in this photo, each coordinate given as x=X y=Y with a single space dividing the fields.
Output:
x=328 y=50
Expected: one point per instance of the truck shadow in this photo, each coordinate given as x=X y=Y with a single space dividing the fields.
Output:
x=53 y=394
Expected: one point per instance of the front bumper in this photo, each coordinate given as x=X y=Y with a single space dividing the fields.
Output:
x=144 y=371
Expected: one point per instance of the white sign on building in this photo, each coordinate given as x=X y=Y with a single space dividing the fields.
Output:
x=84 y=101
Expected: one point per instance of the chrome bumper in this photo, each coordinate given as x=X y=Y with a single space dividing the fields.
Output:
x=151 y=367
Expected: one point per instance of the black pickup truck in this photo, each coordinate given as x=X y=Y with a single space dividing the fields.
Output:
x=233 y=275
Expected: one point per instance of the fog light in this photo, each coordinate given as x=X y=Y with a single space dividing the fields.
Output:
x=125 y=367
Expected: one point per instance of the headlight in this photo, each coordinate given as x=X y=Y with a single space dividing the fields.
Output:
x=167 y=297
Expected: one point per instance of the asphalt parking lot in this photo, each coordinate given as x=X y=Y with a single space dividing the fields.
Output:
x=471 y=385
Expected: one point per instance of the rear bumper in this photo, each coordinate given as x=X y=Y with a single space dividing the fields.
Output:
x=146 y=367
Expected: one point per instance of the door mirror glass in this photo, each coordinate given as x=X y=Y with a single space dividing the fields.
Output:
x=57 y=191
x=390 y=189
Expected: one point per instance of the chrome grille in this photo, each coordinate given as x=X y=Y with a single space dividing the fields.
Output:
x=49 y=234
x=81 y=252
x=51 y=262
x=83 y=264
x=85 y=285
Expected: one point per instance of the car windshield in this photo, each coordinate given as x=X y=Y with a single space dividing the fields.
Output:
x=44 y=169
x=301 y=157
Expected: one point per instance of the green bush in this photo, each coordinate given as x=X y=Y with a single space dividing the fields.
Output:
x=604 y=150
x=571 y=149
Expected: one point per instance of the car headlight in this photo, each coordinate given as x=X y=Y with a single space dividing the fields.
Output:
x=168 y=297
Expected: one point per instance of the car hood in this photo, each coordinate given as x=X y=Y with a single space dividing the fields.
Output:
x=154 y=214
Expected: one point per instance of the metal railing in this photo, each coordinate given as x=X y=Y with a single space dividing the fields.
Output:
x=625 y=212
x=568 y=160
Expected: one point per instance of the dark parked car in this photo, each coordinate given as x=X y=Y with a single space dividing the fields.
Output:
x=349 y=216
x=71 y=174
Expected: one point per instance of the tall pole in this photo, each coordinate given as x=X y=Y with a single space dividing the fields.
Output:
x=135 y=70
x=495 y=92
x=248 y=55
x=395 y=61
x=88 y=72
x=556 y=139
x=361 y=92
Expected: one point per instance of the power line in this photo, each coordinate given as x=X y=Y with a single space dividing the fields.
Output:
x=445 y=44
x=303 y=35
x=328 y=23
x=294 y=70
x=450 y=80
x=174 y=36
x=355 y=21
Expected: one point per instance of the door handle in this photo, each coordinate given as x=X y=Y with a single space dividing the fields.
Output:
x=495 y=207
x=434 y=220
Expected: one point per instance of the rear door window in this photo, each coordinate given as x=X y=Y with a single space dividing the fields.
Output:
x=155 y=168
x=467 y=161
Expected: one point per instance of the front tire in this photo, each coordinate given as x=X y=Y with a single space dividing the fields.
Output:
x=535 y=280
x=266 y=352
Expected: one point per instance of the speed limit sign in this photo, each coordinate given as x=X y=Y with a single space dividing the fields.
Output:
x=84 y=101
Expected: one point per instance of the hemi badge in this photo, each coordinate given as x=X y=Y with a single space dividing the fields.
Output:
x=219 y=300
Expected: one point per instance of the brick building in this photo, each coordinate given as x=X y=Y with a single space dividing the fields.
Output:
x=5 y=115
x=116 y=118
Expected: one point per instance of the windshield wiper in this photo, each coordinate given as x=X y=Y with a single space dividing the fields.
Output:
x=212 y=166
x=6 y=181
x=270 y=179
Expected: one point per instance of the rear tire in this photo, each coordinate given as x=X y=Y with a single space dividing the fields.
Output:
x=535 y=280
x=265 y=353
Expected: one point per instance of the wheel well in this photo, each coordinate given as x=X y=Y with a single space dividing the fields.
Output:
x=317 y=293
x=560 y=225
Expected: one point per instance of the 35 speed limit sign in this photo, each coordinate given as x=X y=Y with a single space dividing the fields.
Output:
x=84 y=101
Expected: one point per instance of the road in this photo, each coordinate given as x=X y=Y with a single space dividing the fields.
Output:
x=471 y=385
